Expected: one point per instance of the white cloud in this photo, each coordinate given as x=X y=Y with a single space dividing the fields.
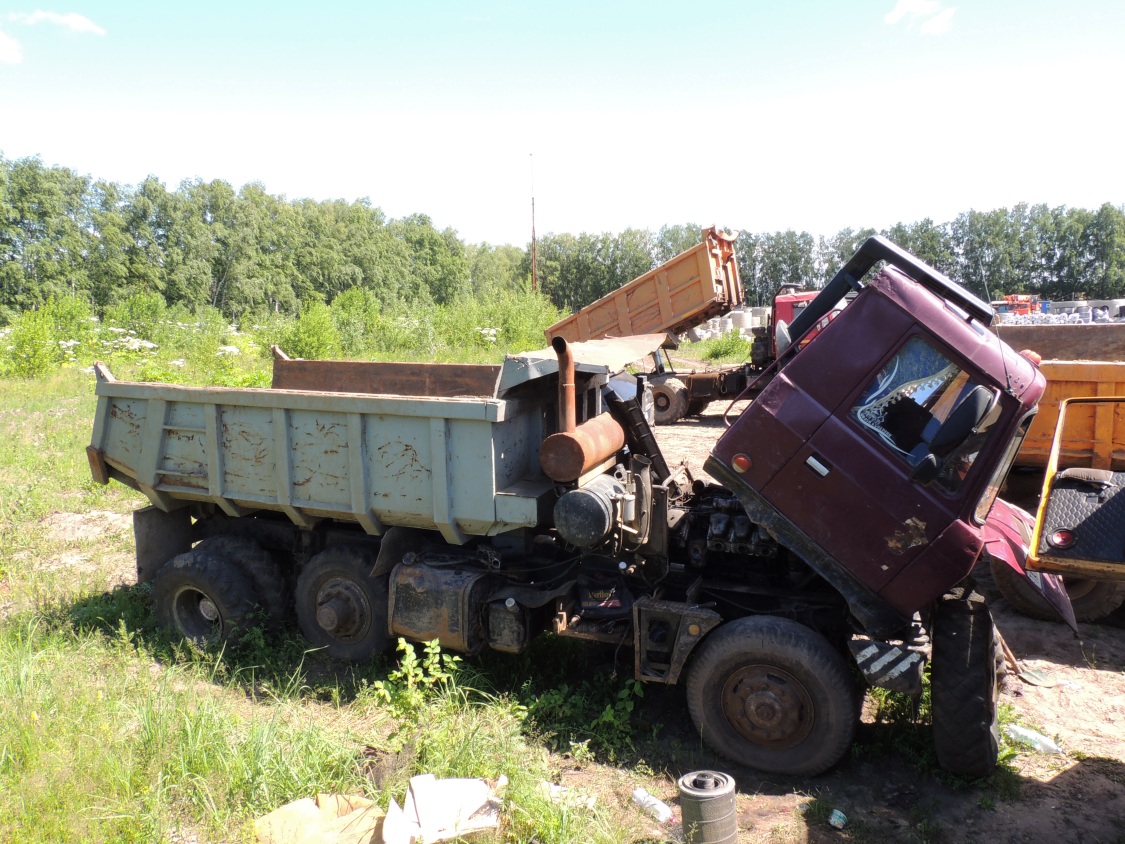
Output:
x=935 y=18
x=10 y=50
x=72 y=21
x=939 y=23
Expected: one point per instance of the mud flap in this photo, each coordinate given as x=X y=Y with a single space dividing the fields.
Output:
x=1007 y=537
x=896 y=668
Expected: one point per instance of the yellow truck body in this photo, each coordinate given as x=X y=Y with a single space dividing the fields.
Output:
x=1094 y=434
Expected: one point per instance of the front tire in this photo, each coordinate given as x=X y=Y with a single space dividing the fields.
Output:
x=964 y=685
x=201 y=597
x=774 y=695
x=340 y=607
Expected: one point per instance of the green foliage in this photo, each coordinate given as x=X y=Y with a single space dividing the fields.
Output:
x=31 y=349
x=416 y=682
x=596 y=712
x=141 y=314
x=314 y=336
x=731 y=346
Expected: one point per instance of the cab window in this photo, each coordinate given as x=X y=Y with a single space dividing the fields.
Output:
x=905 y=405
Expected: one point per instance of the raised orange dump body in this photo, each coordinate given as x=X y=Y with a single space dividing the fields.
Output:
x=682 y=293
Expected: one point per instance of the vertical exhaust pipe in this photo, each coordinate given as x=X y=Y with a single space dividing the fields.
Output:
x=568 y=410
x=576 y=449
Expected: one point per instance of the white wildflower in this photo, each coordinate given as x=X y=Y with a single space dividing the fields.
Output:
x=229 y=350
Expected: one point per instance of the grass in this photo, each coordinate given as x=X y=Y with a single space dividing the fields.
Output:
x=731 y=347
x=111 y=731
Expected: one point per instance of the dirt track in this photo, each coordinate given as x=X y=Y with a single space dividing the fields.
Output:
x=1077 y=797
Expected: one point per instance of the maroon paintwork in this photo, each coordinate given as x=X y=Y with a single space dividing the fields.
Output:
x=899 y=539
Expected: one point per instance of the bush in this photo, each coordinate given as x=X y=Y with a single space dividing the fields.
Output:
x=314 y=336
x=31 y=349
x=141 y=314
x=355 y=313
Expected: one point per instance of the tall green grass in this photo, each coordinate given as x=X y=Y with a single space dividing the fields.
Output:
x=142 y=339
x=110 y=731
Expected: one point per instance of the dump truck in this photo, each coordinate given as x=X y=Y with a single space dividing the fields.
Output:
x=481 y=506
x=683 y=293
x=1078 y=360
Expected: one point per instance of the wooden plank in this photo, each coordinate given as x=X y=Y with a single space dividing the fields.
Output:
x=444 y=380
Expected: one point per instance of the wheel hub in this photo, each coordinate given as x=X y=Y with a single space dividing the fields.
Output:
x=208 y=610
x=195 y=613
x=342 y=609
x=768 y=706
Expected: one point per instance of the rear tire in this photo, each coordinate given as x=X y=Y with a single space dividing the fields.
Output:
x=964 y=684
x=270 y=587
x=669 y=398
x=1092 y=599
x=201 y=597
x=340 y=607
x=774 y=695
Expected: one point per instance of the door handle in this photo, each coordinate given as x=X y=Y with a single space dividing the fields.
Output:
x=816 y=465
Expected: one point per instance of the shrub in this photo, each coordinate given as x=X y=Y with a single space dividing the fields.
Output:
x=31 y=349
x=141 y=313
x=314 y=336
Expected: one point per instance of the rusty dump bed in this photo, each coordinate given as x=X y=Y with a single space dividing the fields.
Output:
x=684 y=292
x=455 y=450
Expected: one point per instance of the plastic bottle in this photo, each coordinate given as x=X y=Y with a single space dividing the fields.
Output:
x=1034 y=740
x=654 y=806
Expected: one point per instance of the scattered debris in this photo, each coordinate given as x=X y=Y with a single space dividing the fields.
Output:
x=440 y=810
x=837 y=819
x=653 y=806
x=1032 y=739
x=329 y=819
x=566 y=796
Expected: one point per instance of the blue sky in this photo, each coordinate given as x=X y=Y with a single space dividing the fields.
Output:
x=757 y=115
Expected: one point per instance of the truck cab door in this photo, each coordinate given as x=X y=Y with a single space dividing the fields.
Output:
x=855 y=486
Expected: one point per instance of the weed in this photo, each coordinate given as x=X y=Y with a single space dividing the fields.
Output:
x=731 y=346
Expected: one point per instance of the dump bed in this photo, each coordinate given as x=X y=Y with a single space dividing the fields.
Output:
x=682 y=293
x=462 y=463
x=1082 y=359
x=1094 y=435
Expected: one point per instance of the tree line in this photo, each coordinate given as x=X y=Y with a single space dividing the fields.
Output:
x=249 y=252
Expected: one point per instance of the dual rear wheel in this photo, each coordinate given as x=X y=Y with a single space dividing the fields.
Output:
x=225 y=584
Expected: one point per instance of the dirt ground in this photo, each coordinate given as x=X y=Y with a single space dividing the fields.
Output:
x=1075 y=797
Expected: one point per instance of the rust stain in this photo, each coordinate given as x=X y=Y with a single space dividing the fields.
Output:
x=914 y=535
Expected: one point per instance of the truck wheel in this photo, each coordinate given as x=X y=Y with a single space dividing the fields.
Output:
x=774 y=695
x=340 y=607
x=1092 y=599
x=201 y=597
x=270 y=587
x=964 y=684
x=669 y=398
